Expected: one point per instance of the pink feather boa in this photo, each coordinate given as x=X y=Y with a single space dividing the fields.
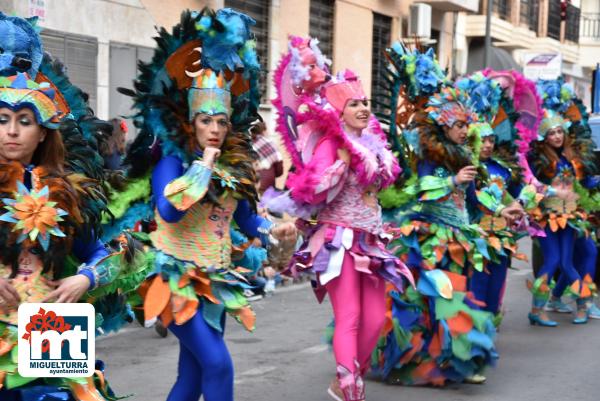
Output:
x=383 y=169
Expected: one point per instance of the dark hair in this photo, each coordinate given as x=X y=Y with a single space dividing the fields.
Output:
x=113 y=142
x=50 y=153
x=543 y=158
x=258 y=129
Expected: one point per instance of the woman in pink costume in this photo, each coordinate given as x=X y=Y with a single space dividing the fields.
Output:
x=349 y=164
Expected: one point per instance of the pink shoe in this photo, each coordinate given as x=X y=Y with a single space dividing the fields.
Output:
x=351 y=384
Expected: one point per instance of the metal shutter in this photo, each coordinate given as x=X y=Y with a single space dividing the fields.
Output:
x=80 y=56
x=321 y=24
x=123 y=71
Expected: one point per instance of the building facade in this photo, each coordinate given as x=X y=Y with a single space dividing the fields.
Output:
x=101 y=41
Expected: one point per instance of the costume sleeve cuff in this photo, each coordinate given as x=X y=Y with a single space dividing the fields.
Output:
x=264 y=232
x=432 y=188
x=190 y=188
x=90 y=275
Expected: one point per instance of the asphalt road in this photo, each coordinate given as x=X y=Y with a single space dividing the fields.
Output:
x=285 y=358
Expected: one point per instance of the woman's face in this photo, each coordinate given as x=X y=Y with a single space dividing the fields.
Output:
x=356 y=114
x=20 y=135
x=458 y=132
x=211 y=130
x=487 y=147
x=555 y=137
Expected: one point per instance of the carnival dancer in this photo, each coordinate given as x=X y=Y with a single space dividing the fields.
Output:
x=557 y=160
x=495 y=146
x=488 y=286
x=196 y=100
x=50 y=186
x=561 y=98
x=343 y=161
x=439 y=333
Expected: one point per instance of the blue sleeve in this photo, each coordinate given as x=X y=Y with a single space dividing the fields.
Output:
x=591 y=181
x=89 y=252
x=250 y=223
x=425 y=168
x=515 y=188
x=168 y=169
x=471 y=195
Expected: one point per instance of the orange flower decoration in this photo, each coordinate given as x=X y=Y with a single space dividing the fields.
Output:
x=34 y=214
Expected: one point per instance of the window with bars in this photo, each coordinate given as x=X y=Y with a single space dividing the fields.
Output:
x=502 y=8
x=382 y=36
x=530 y=14
x=80 y=55
x=321 y=24
x=554 y=19
x=259 y=11
x=572 y=26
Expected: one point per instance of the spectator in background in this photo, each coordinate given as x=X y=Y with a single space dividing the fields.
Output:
x=113 y=149
x=269 y=165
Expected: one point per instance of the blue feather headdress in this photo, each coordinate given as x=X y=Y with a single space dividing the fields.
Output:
x=484 y=94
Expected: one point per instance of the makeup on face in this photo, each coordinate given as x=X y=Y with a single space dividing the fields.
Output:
x=458 y=132
x=356 y=114
x=210 y=130
x=20 y=135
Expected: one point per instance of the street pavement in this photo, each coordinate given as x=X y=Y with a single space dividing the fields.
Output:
x=285 y=359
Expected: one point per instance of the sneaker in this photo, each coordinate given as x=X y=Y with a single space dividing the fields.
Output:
x=594 y=312
x=475 y=379
x=557 y=305
x=251 y=296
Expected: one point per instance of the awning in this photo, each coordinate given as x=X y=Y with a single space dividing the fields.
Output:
x=500 y=59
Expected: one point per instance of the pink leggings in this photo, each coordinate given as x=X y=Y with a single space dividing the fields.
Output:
x=358 y=301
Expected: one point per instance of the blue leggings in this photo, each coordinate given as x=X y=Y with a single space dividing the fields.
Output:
x=489 y=287
x=205 y=366
x=584 y=260
x=557 y=248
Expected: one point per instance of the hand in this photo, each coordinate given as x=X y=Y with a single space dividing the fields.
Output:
x=69 y=289
x=512 y=213
x=285 y=232
x=210 y=156
x=9 y=297
x=465 y=175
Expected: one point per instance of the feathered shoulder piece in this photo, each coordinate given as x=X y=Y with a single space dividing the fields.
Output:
x=202 y=42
